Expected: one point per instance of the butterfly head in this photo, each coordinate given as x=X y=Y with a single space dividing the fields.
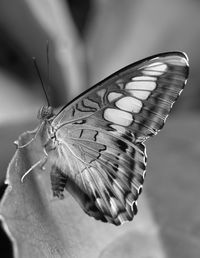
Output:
x=45 y=112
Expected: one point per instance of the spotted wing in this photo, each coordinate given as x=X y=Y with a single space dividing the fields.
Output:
x=102 y=132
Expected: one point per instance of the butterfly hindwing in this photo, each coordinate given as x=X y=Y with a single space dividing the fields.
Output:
x=106 y=178
x=101 y=133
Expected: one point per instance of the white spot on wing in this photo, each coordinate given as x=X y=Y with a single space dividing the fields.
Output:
x=177 y=60
x=113 y=206
x=119 y=128
x=129 y=104
x=113 y=96
x=143 y=94
x=118 y=116
x=144 y=78
x=141 y=85
x=156 y=64
x=155 y=69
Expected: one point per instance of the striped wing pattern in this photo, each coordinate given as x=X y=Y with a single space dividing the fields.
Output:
x=101 y=134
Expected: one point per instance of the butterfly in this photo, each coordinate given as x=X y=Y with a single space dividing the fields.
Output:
x=95 y=144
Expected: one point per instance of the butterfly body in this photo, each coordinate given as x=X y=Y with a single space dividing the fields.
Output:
x=96 y=143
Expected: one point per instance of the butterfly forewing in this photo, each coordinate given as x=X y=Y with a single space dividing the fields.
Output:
x=101 y=133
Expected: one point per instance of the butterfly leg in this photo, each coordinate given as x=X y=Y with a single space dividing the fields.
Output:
x=58 y=182
x=42 y=165
x=41 y=161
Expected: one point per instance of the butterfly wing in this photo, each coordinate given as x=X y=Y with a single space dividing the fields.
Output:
x=101 y=133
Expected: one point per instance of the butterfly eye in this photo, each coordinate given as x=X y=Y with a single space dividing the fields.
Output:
x=45 y=112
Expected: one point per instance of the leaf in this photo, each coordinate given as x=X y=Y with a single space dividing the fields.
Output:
x=176 y=176
x=41 y=226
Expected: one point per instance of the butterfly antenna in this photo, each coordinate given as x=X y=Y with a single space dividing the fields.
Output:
x=48 y=63
x=38 y=72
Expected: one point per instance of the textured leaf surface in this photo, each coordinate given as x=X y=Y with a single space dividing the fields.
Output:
x=42 y=226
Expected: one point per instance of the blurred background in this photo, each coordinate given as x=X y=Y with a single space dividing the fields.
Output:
x=88 y=40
